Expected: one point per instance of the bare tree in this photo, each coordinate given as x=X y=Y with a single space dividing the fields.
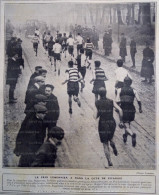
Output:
x=120 y=21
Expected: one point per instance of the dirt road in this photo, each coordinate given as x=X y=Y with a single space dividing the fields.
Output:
x=81 y=147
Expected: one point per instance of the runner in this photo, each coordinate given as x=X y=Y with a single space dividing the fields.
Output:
x=47 y=39
x=98 y=79
x=64 y=44
x=43 y=39
x=57 y=55
x=125 y=98
x=120 y=73
x=37 y=32
x=70 y=42
x=35 y=42
x=50 y=47
x=72 y=80
x=80 y=42
x=107 y=124
x=88 y=47
x=81 y=64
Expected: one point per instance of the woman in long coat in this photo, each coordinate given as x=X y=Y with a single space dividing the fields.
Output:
x=147 y=69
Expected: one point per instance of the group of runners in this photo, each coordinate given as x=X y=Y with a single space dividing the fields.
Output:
x=76 y=71
x=37 y=97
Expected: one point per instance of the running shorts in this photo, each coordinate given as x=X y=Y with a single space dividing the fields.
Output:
x=57 y=56
x=73 y=88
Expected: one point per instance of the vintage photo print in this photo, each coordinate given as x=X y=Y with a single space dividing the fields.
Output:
x=79 y=85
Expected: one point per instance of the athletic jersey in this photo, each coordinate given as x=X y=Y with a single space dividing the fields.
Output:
x=64 y=41
x=70 y=41
x=105 y=109
x=89 y=46
x=83 y=60
x=35 y=39
x=99 y=74
x=73 y=74
x=57 y=48
x=121 y=73
x=47 y=38
x=127 y=95
x=37 y=32
x=50 y=44
x=79 y=40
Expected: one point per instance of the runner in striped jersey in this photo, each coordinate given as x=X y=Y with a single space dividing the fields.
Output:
x=88 y=47
x=35 y=42
x=72 y=80
x=98 y=79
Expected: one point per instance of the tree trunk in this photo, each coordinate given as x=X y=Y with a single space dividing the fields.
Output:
x=120 y=21
x=139 y=13
x=133 y=14
x=110 y=14
x=91 y=14
x=103 y=15
x=114 y=15
x=146 y=16
x=128 y=17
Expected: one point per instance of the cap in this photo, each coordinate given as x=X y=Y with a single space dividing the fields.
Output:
x=40 y=108
x=39 y=78
x=42 y=71
x=38 y=67
x=56 y=132
x=40 y=97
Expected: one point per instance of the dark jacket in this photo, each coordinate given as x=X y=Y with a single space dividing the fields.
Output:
x=30 y=99
x=53 y=112
x=123 y=51
x=31 y=81
x=13 y=71
x=45 y=156
x=30 y=136
x=133 y=47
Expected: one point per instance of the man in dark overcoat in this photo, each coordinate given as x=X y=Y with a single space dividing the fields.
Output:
x=35 y=89
x=13 y=72
x=52 y=106
x=107 y=43
x=30 y=136
x=147 y=69
x=122 y=47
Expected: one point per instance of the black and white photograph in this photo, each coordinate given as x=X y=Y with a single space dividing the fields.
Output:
x=79 y=85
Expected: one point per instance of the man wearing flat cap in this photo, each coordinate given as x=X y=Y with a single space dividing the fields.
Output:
x=35 y=74
x=31 y=136
x=34 y=90
x=53 y=107
x=46 y=155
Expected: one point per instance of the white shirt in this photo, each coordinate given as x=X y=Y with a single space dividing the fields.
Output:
x=57 y=48
x=83 y=60
x=79 y=40
x=37 y=32
x=70 y=41
x=121 y=73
